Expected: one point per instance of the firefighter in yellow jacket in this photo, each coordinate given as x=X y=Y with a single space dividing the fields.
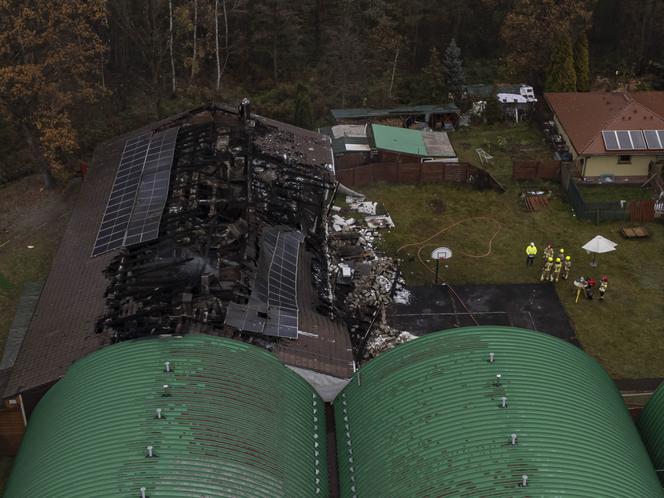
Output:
x=567 y=266
x=531 y=252
x=546 y=271
x=557 y=268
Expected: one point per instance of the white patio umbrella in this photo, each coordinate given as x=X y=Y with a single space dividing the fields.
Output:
x=599 y=245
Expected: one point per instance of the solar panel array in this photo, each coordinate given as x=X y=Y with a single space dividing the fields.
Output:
x=123 y=194
x=139 y=192
x=153 y=190
x=617 y=140
x=272 y=309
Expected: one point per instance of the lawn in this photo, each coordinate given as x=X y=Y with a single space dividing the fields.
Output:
x=504 y=142
x=625 y=333
x=608 y=193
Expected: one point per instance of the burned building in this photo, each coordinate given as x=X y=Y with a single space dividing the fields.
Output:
x=209 y=222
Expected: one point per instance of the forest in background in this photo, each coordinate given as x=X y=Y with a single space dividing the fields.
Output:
x=75 y=73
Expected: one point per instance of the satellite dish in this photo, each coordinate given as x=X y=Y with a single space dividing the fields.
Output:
x=441 y=253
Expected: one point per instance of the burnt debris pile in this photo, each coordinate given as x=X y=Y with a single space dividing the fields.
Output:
x=246 y=198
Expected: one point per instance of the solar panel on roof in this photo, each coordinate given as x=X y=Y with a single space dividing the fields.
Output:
x=272 y=309
x=123 y=193
x=660 y=134
x=638 y=141
x=610 y=140
x=653 y=140
x=624 y=141
x=153 y=190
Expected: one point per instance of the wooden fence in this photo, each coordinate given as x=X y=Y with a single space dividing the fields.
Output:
x=11 y=429
x=414 y=173
x=640 y=211
x=531 y=170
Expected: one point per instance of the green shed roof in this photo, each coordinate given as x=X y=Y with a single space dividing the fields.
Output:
x=424 y=419
x=237 y=423
x=395 y=139
x=651 y=425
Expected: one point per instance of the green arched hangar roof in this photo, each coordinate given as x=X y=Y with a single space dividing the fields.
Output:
x=425 y=419
x=235 y=422
x=651 y=425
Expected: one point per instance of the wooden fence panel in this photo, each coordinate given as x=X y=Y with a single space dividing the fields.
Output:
x=642 y=211
x=409 y=173
x=529 y=170
x=385 y=172
x=363 y=175
x=346 y=176
x=11 y=430
x=432 y=172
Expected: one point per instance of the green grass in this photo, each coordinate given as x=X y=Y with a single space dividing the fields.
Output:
x=624 y=333
x=608 y=193
x=504 y=142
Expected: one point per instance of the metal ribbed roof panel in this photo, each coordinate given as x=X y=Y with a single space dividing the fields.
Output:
x=425 y=419
x=236 y=423
x=651 y=425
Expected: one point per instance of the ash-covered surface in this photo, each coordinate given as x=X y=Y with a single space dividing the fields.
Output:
x=432 y=308
x=236 y=178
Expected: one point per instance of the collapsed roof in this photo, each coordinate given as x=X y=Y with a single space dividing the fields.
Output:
x=191 y=231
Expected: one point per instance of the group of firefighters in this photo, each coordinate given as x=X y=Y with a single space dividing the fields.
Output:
x=558 y=266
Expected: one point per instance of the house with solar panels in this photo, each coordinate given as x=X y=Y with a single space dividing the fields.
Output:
x=611 y=134
x=209 y=222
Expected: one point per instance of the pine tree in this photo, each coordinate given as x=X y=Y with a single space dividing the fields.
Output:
x=560 y=76
x=581 y=64
x=434 y=85
x=453 y=68
x=304 y=112
x=493 y=112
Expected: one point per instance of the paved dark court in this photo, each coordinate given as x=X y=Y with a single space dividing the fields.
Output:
x=529 y=306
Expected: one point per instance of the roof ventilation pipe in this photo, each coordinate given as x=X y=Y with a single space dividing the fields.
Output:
x=491 y=357
x=498 y=377
x=157 y=413
x=245 y=110
x=167 y=366
x=524 y=481
x=503 y=402
x=167 y=390
x=142 y=492
x=514 y=439
x=150 y=450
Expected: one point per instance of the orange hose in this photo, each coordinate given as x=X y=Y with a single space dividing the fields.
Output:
x=422 y=243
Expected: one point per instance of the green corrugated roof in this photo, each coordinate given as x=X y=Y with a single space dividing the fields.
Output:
x=424 y=420
x=403 y=140
x=238 y=423
x=651 y=425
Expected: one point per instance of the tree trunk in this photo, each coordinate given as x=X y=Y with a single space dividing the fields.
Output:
x=223 y=68
x=216 y=42
x=394 y=70
x=274 y=62
x=193 y=57
x=170 y=44
x=38 y=156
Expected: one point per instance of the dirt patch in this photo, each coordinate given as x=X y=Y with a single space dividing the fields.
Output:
x=437 y=205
